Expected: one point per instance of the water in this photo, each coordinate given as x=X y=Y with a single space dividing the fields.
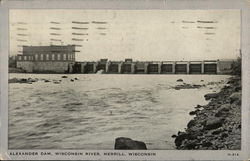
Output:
x=91 y=112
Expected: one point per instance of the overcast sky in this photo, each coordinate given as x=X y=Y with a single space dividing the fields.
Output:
x=138 y=34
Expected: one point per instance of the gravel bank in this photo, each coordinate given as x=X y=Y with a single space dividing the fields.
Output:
x=216 y=125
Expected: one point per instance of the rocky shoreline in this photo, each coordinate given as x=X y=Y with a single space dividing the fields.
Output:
x=216 y=125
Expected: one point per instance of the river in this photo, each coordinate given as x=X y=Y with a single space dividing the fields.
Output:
x=89 y=113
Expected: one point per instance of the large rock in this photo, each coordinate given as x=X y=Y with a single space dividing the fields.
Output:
x=127 y=143
x=222 y=110
x=211 y=95
x=191 y=123
x=235 y=96
x=213 y=123
x=22 y=80
x=181 y=136
x=64 y=76
x=179 y=80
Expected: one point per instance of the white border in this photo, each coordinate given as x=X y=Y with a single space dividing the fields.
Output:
x=243 y=5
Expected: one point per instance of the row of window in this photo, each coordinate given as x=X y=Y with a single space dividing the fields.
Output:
x=25 y=57
x=48 y=57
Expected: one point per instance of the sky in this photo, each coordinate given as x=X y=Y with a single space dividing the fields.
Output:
x=145 y=35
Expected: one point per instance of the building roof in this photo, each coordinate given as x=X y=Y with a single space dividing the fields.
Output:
x=53 y=48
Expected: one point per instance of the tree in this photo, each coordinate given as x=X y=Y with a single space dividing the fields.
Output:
x=236 y=66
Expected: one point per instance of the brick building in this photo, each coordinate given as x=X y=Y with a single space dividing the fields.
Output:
x=46 y=59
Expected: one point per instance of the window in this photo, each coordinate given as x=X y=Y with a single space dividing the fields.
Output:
x=36 y=57
x=64 y=57
x=19 y=57
x=47 y=56
x=69 y=56
x=41 y=56
x=53 y=56
x=25 y=57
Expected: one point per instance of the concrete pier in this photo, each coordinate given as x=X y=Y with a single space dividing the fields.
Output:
x=146 y=68
x=218 y=67
x=188 y=69
x=70 y=68
x=83 y=67
x=107 y=66
x=159 y=67
x=133 y=68
x=94 y=67
x=120 y=67
x=202 y=67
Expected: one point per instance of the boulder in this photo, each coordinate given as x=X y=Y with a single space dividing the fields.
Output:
x=187 y=86
x=127 y=143
x=237 y=88
x=192 y=113
x=32 y=80
x=213 y=123
x=179 y=80
x=211 y=95
x=191 y=123
x=224 y=135
x=13 y=80
x=222 y=110
x=235 y=96
x=191 y=144
x=174 y=136
x=181 y=136
x=198 y=106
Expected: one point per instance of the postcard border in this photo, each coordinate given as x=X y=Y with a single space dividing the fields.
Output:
x=242 y=5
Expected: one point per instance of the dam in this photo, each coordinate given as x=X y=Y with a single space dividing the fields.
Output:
x=150 y=67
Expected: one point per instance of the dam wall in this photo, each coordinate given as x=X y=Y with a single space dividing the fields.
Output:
x=152 y=67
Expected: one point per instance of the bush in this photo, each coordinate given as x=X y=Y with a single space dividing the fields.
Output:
x=236 y=66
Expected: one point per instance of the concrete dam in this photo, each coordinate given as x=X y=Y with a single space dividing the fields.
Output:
x=149 y=67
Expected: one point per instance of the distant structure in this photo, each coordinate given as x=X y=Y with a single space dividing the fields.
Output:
x=61 y=59
x=154 y=67
x=46 y=59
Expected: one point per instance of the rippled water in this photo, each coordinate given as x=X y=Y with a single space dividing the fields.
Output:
x=91 y=112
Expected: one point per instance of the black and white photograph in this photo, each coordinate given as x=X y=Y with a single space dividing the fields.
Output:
x=112 y=79
x=160 y=80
